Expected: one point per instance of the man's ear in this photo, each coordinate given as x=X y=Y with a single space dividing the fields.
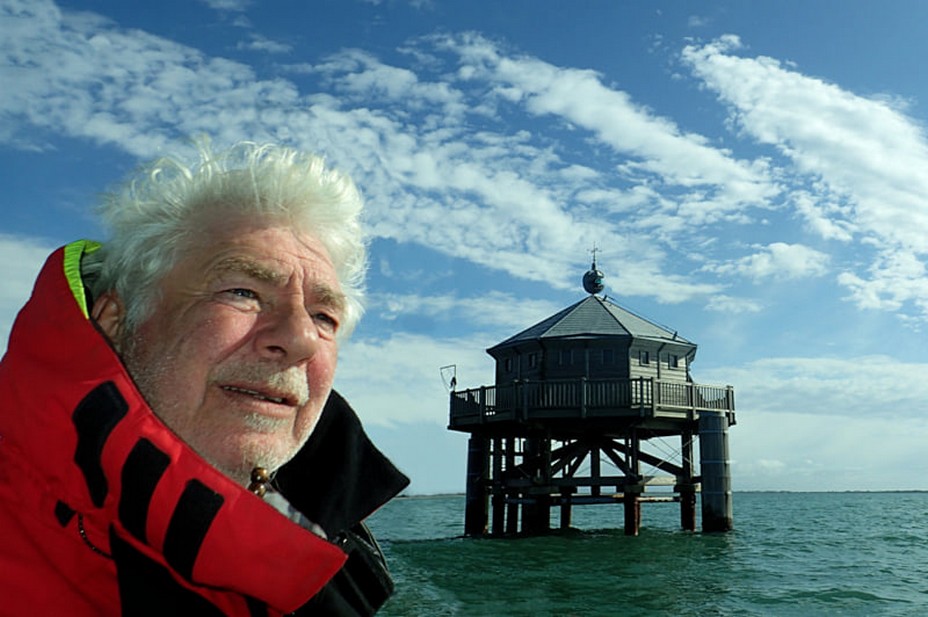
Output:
x=108 y=312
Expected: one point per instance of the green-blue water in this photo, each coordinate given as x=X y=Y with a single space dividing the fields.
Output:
x=790 y=554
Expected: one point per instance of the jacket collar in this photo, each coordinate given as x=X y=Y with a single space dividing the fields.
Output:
x=339 y=477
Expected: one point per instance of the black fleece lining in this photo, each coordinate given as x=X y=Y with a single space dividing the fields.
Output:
x=339 y=477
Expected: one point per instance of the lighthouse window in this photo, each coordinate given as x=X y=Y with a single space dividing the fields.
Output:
x=508 y=365
x=532 y=360
x=644 y=357
x=673 y=361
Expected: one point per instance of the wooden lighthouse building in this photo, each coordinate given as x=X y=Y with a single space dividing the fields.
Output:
x=576 y=399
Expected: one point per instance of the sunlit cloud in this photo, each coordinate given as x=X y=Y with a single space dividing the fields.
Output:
x=257 y=42
x=779 y=261
x=399 y=379
x=497 y=311
x=23 y=258
x=799 y=451
x=865 y=386
x=865 y=154
x=228 y=5
x=722 y=303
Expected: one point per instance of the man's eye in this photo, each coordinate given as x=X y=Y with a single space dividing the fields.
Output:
x=326 y=321
x=241 y=292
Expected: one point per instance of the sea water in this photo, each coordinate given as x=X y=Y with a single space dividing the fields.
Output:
x=790 y=554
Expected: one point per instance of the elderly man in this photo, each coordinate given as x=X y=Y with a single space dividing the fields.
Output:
x=170 y=443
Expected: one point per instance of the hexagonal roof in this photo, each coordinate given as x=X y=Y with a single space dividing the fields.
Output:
x=594 y=317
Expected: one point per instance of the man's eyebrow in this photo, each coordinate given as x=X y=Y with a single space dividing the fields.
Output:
x=250 y=268
x=327 y=296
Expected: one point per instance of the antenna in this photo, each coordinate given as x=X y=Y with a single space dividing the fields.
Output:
x=449 y=375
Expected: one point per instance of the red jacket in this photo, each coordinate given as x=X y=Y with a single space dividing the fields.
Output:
x=104 y=511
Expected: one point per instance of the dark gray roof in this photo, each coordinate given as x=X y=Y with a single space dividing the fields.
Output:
x=594 y=317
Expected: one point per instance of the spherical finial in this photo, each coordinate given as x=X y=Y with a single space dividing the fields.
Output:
x=593 y=280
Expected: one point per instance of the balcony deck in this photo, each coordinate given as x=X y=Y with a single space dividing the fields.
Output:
x=579 y=405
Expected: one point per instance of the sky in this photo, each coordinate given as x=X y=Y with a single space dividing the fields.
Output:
x=752 y=175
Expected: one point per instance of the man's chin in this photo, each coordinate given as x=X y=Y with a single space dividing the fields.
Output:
x=240 y=467
x=237 y=455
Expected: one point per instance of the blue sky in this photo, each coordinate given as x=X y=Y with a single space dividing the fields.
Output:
x=753 y=173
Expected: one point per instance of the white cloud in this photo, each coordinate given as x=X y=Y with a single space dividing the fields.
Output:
x=896 y=277
x=656 y=144
x=359 y=76
x=698 y=21
x=22 y=258
x=778 y=261
x=722 y=303
x=807 y=423
x=794 y=450
x=858 y=387
x=826 y=218
x=256 y=42
x=399 y=380
x=772 y=466
x=228 y=5
x=866 y=157
x=495 y=310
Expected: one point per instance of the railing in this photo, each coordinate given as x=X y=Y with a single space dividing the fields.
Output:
x=580 y=397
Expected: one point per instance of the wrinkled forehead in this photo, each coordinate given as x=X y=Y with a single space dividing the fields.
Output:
x=322 y=286
x=216 y=229
x=264 y=248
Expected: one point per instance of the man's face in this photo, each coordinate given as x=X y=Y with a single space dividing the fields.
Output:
x=239 y=355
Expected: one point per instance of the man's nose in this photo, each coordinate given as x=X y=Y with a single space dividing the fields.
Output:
x=289 y=333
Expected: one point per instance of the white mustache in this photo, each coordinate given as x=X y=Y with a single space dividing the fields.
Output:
x=291 y=383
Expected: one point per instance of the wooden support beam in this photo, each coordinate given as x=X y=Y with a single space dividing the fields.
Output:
x=687 y=487
x=512 y=509
x=611 y=450
x=498 y=501
x=576 y=463
x=568 y=457
x=632 y=512
x=476 y=499
x=554 y=484
x=566 y=504
x=652 y=460
x=536 y=517
x=633 y=489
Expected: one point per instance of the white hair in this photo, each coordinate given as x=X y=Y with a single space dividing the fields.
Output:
x=154 y=216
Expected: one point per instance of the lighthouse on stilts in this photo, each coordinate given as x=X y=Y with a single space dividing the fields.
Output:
x=577 y=397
